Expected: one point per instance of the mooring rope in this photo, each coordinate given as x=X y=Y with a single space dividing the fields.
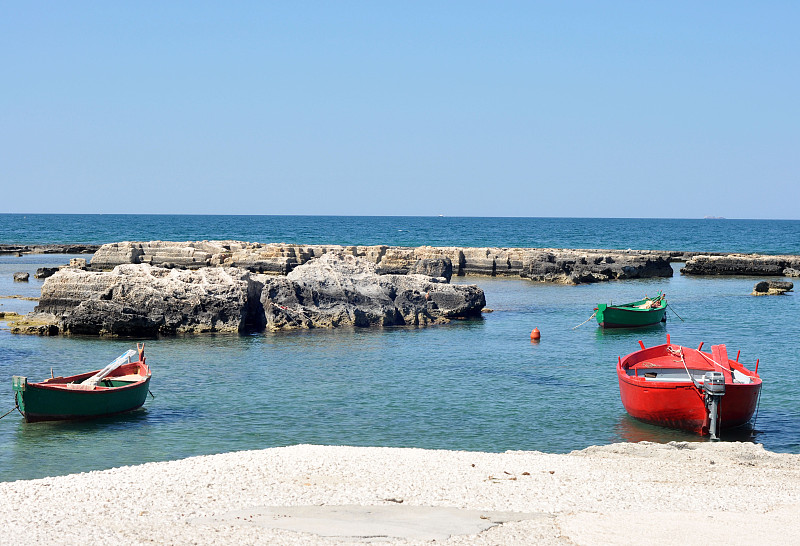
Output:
x=16 y=407
x=679 y=354
x=676 y=314
x=585 y=321
x=715 y=362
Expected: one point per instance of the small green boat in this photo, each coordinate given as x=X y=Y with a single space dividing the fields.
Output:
x=119 y=387
x=630 y=315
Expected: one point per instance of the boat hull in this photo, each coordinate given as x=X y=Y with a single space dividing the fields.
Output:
x=609 y=316
x=680 y=406
x=665 y=385
x=54 y=401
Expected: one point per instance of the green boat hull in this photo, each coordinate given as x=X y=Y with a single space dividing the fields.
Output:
x=629 y=315
x=38 y=403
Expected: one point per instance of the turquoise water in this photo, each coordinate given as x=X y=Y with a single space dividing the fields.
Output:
x=472 y=385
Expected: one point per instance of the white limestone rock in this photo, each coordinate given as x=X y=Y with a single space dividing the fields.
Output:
x=340 y=289
x=142 y=300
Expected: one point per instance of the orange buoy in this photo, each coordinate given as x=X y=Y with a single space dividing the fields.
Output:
x=535 y=334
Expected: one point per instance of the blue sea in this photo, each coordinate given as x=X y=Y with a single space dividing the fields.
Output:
x=712 y=235
x=479 y=384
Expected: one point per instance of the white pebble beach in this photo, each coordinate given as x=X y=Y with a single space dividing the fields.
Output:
x=676 y=493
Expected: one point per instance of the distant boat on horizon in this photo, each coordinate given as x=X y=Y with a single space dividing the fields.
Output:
x=713 y=218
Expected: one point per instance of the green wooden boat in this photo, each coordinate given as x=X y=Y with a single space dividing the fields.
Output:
x=644 y=312
x=119 y=387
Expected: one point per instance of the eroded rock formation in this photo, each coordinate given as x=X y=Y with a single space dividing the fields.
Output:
x=142 y=300
x=742 y=264
x=341 y=289
x=48 y=249
x=44 y=272
x=336 y=290
x=772 y=288
x=543 y=265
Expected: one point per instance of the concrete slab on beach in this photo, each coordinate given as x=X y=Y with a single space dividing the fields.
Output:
x=370 y=523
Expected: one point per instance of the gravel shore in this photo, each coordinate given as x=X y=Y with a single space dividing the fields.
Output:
x=677 y=493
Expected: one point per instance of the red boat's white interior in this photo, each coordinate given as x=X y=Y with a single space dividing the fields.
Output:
x=677 y=364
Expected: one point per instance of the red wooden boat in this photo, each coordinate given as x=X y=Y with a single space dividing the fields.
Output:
x=686 y=388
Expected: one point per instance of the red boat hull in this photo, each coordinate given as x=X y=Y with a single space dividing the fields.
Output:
x=680 y=404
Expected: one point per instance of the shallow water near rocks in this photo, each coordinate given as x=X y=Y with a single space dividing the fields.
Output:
x=469 y=385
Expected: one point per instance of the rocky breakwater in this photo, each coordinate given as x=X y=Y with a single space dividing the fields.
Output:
x=340 y=289
x=335 y=290
x=48 y=249
x=542 y=265
x=743 y=264
x=272 y=258
x=563 y=265
x=187 y=255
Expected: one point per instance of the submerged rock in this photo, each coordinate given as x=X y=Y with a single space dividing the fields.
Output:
x=21 y=276
x=41 y=324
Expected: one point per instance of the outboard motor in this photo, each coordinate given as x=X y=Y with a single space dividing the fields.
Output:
x=713 y=391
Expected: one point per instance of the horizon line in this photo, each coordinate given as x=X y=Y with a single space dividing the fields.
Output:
x=388 y=216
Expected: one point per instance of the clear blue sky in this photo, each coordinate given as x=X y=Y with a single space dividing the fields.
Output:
x=611 y=109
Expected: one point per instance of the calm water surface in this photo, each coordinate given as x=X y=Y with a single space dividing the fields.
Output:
x=763 y=236
x=470 y=385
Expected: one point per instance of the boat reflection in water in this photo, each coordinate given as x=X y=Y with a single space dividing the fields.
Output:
x=629 y=429
x=656 y=330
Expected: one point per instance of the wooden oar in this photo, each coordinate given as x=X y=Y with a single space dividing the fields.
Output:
x=122 y=359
